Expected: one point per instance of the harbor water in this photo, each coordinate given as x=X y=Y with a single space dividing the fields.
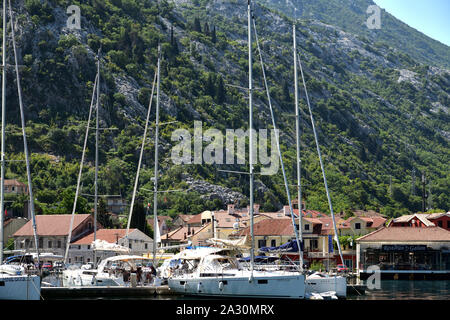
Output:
x=389 y=290
x=407 y=290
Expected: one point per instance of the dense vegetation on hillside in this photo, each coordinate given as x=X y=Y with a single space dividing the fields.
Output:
x=376 y=125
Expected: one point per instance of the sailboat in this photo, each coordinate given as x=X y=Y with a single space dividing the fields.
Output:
x=316 y=283
x=220 y=274
x=15 y=283
x=96 y=92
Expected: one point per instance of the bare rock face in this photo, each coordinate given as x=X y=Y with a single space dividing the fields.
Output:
x=210 y=191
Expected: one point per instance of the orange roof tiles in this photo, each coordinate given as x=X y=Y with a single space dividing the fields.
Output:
x=278 y=227
x=108 y=235
x=52 y=225
x=407 y=234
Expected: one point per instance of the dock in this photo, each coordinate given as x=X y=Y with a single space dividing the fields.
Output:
x=53 y=293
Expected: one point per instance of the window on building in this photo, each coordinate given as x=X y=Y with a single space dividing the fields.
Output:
x=358 y=225
x=262 y=243
x=49 y=244
x=41 y=243
x=306 y=227
x=448 y=224
x=146 y=246
x=314 y=243
x=59 y=244
x=440 y=223
x=273 y=243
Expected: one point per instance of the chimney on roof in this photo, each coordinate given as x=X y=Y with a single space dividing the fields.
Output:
x=286 y=211
x=230 y=209
x=256 y=208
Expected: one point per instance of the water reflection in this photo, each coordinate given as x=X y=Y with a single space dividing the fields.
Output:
x=408 y=290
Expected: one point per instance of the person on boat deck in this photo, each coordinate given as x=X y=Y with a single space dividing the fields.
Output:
x=153 y=271
x=148 y=277
x=139 y=274
x=126 y=276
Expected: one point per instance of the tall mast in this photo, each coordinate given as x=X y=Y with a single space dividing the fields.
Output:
x=250 y=103
x=96 y=153
x=297 y=129
x=2 y=186
x=144 y=139
x=321 y=162
x=80 y=172
x=155 y=186
x=25 y=145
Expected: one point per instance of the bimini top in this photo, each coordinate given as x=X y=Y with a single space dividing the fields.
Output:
x=198 y=253
x=243 y=243
x=130 y=259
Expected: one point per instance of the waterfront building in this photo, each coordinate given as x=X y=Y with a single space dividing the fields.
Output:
x=11 y=226
x=53 y=231
x=405 y=253
x=358 y=226
x=275 y=232
x=139 y=243
x=184 y=234
x=422 y=220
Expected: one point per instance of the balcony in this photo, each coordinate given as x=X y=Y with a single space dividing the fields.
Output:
x=320 y=254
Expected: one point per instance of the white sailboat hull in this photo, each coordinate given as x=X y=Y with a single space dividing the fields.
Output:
x=337 y=284
x=20 y=287
x=77 y=278
x=263 y=285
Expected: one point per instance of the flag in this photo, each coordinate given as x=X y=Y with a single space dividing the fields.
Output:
x=330 y=243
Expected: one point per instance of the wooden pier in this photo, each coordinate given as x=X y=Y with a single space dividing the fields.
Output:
x=57 y=293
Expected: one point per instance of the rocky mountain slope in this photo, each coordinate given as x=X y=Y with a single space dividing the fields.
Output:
x=382 y=113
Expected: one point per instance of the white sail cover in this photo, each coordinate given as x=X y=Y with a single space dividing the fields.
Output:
x=102 y=245
x=157 y=235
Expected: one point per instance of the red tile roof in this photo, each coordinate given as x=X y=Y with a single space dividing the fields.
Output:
x=178 y=234
x=407 y=234
x=195 y=219
x=271 y=227
x=185 y=217
x=52 y=225
x=108 y=235
x=372 y=222
x=14 y=182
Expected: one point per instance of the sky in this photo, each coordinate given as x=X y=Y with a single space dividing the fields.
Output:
x=431 y=17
